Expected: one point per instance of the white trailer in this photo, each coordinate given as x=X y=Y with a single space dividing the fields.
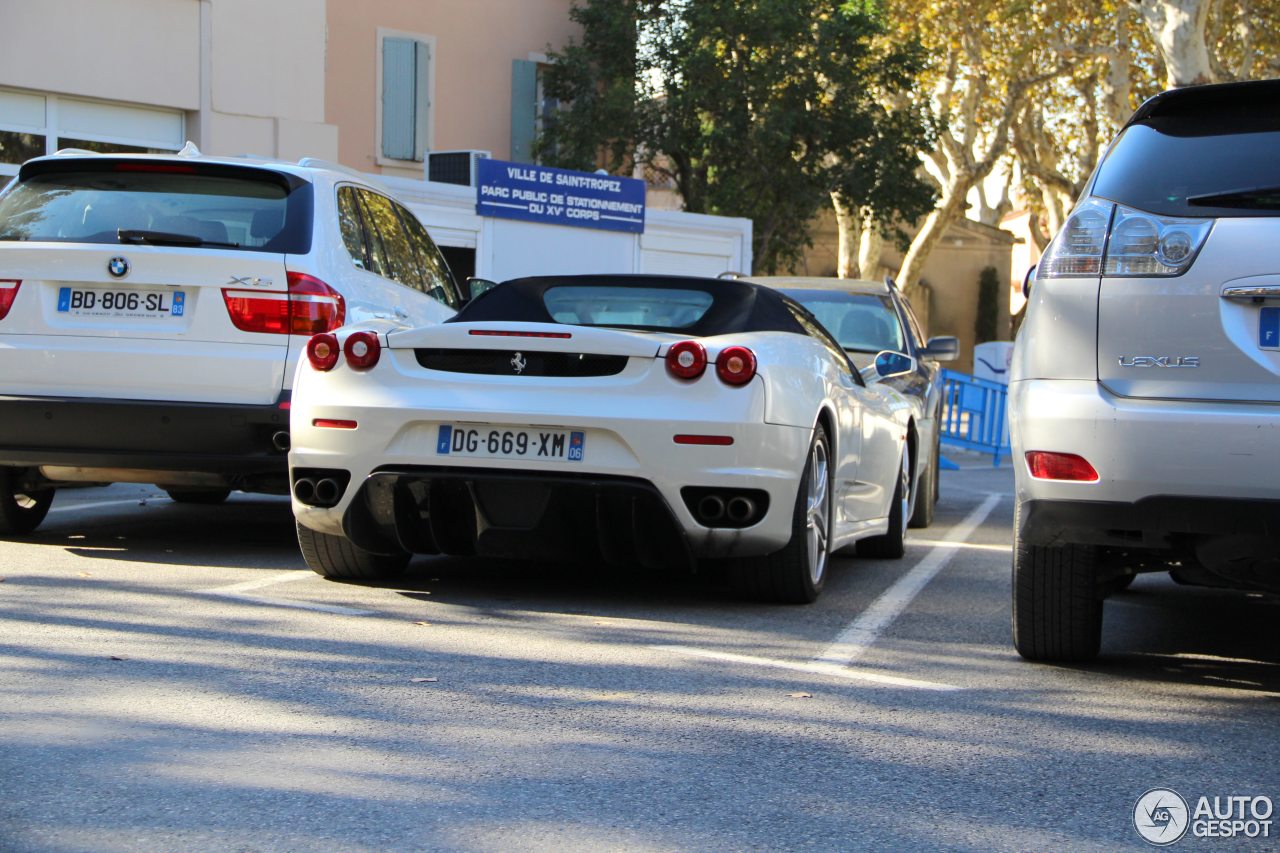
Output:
x=673 y=242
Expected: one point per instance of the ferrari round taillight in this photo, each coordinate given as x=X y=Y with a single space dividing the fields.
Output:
x=322 y=352
x=362 y=350
x=687 y=360
x=736 y=365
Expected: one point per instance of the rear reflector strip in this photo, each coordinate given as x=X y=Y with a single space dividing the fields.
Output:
x=717 y=440
x=1045 y=465
x=332 y=423
x=505 y=334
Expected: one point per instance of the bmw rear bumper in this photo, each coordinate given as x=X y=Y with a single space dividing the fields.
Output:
x=75 y=432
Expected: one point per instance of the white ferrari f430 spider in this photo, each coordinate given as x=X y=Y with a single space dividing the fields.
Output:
x=658 y=421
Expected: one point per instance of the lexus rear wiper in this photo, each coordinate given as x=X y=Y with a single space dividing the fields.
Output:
x=168 y=238
x=1245 y=197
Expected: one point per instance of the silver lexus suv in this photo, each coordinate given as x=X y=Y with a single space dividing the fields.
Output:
x=1145 y=394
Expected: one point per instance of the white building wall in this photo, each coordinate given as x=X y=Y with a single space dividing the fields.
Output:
x=234 y=76
x=136 y=51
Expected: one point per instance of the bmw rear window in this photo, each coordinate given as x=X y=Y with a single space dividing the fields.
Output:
x=1198 y=158
x=207 y=205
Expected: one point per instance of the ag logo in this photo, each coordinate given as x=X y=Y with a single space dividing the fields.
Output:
x=518 y=363
x=1161 y=816
x=118 y=267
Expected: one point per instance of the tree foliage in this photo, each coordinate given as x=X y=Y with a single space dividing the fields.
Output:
x=1120 y=53
x=754 y=108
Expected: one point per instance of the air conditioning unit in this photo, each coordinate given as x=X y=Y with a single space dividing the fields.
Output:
x=454 y=167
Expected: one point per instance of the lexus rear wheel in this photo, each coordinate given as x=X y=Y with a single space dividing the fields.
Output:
x=797 y=573
x=338 y=558
x=21 y=508
x=1057 y=608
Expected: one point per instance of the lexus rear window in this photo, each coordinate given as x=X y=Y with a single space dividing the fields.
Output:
x=1161 y=168
x=140 y=202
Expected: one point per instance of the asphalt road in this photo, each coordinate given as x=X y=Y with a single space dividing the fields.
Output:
x=172 y=678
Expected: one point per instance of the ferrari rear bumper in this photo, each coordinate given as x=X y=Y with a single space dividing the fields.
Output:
x=496 y=513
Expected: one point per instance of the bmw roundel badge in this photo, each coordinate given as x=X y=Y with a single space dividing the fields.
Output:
x=118 y=267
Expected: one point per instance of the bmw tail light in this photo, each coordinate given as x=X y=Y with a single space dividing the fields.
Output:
x=8 y=293
x=687 y=360
x=309 y=308
x=362 y=350
x=314 y=306
x=256 y=311
x=322 y=351
x=736 y=365
x=1046 y=465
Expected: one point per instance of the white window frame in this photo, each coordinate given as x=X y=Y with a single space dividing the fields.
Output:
x=430 y=42
x=51 y=129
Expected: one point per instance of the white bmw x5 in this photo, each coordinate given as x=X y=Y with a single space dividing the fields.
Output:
x=1145 y=393
x=152 y=310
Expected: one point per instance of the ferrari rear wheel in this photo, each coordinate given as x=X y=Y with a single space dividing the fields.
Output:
x=338 y=558
x=21 y=510
x=893 y=544
x=797 y=573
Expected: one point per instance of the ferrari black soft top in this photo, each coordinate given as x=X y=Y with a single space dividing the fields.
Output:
x=699 y=307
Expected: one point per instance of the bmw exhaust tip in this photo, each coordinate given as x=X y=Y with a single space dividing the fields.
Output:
x=280 y=441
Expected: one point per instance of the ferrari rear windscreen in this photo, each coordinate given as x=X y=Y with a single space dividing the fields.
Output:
x=679 y=304
x=637 y=307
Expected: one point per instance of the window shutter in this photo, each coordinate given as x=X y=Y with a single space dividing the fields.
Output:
x=422 y=107
x=400 y=99
x=524 y=103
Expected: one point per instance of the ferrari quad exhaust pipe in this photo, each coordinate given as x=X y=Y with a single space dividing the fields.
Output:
x=327 y=492
x=741 y=510
x=305 y=490
x=711 y=509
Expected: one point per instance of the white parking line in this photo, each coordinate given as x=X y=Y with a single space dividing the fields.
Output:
x=296 y=605
x=97 y=504
x=259 y=583
x=862 y=632
x=968 y=546
x=813 y=668
x=237 y=591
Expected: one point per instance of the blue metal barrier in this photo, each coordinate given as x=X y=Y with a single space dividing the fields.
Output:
x=974 y=414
